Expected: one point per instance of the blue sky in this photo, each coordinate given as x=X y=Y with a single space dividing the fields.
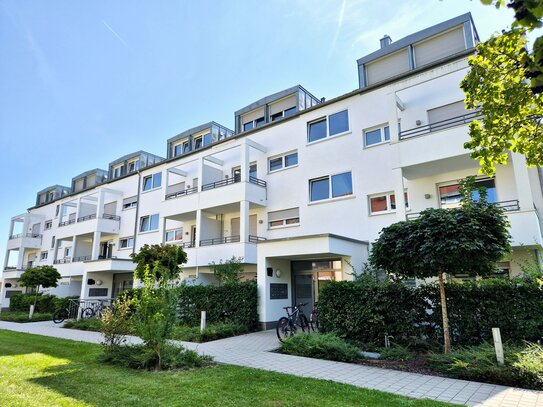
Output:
x=85 y=82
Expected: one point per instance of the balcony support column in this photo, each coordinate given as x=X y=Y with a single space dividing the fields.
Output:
x=522 y=181
x=55 y=248
x=96 y=245
x=198 y=228
x=244 y=161
x=74 y=247
x=78 y=210
x=11 y=227
x=392 y=102
x=244 y=221
x=399 y=189
x=100 y=205
x=84 y=288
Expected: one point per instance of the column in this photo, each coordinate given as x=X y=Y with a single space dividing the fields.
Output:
x=77 y=215
x=244 y=221
x=55 y=248
x=26 y=223
x=393 y=117
x=399 y=193
x=100 y=204
x=244 y=162
x=96 y=245
x=522 y=181
x=74 y=247
x=11 y=226
x=198 y=227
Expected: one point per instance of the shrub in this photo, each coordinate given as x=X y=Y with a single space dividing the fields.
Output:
x=44 y=302
x=115 y=324
x=211 y=333
x=234 y=303
x=396 y=352
x=22 y=316
x=523 y=365
x=140 y=357
x=320 y=346
x=91 y=324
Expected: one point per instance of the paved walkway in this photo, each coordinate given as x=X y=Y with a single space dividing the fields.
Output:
x=253 y=350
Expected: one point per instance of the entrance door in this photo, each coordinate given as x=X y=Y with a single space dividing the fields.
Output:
x=122 y=282
x=105 y=250
x=193 y=236
x=303 y=287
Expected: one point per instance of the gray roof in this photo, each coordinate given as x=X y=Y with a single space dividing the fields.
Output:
x=419 y=36
x=97 y=171
x=195 y=130
x=53 y=187
x=271 y=98
x=133 y=155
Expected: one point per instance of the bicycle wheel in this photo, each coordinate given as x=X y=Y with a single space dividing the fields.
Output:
x=314 y=322
x=283 y=328
x=60 y=315
x=304 y=323
x=87 y=313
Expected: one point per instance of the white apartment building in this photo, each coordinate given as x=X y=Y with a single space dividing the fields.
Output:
x=299 y=190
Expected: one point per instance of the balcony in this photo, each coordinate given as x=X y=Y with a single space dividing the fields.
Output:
x=24 y=240
x=220 y=240
x=441 y=125
x=88 y=224
x=185 y=192
x=19 y=235
x=507 y=206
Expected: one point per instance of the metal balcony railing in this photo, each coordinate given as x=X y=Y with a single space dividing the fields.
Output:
x=256 y=239
x=86 y=217
x=508 y=206
x=80 y=258
x=443 y=124
x=65 y=260
x=258 y=181
x=187 y=245
x=66 y=222
x=112 y=217
x=18 y=235
x=185 y=192
x=12 y=268
x=221 y=183
x=220 y=240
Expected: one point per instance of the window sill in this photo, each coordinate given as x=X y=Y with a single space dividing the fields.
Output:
x=283 y=169
x=148 y=231
x=376 y=144
x=127 y=209
x=330 y=200
x=125 y=248
x=407 y=210
x=345 y=133
x=284 y=226
x=151 y=190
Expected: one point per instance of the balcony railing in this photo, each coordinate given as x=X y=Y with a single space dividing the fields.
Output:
x=80 y=258
x=256 y=239
x=18 y=235
x=443 y=124
x=185 y=192
x=12 y=268
x=257 y=181
x=221 y=183
x=112 y=217
x=65 y=260
x=220 y=240
x=93 y=216
x=66 y=222
x=507 y=206
x=187 y=245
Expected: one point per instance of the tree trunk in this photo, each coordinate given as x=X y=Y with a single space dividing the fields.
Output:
x=446 y=333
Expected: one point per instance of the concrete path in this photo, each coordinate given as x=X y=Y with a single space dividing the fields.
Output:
x=253 y=350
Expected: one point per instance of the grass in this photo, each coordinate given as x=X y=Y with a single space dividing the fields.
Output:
x=91 y=324
x=38 y=370
x=22 y=316
x=211 y=333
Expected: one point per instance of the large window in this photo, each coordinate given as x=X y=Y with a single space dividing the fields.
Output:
x=43 y=255
x=376 y=136
x=450 y=196
x=334 y=186
x=131 y=202
x=174 y=235
x=386 y=202
x=284 y=113
x=152 y=181
x=127 y=243
x=254 y=123
x=148 y=223
x=284 y=161
x=117 y=171
x=48 y=224
x=177 y=149
x=332 y=125
x=286 y=217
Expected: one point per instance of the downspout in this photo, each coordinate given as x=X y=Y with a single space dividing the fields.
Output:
x=137 y=213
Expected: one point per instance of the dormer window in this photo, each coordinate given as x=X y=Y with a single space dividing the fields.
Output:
x=198 y=143
x=133 y=166
x=117 y=171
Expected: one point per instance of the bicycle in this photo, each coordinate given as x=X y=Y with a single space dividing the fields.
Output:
x=93 y=310
x=287 y=326
x=71 y=310
x=314 y=318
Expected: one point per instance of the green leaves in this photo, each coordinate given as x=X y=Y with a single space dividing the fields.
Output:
x=163 y=261
x=45 y=276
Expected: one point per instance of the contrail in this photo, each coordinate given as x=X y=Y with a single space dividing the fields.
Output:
x=115 y=34
x=338 y=29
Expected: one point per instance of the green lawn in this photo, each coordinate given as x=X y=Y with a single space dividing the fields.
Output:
x=38 y=371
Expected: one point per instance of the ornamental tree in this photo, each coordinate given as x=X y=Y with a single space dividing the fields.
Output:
x=163 y=261
x=469 y=239
x=44 y=276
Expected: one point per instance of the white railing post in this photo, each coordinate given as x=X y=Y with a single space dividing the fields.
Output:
x=498 y=345
x=203 y=322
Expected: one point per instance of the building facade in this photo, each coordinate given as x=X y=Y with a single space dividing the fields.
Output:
x=299 y=190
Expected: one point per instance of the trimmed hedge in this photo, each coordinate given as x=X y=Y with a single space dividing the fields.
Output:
x=366 y=312
x=44 y=303
x=320 y=346
x=234 y=303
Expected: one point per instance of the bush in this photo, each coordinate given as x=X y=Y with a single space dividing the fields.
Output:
x=211 y=333
x=523 y=365
x=22 y=316
x=91 y=324
x=396 y=352
x=320 y=346
x=233 y=303
x=44 y=303
x=365 y=312
x=140 y=357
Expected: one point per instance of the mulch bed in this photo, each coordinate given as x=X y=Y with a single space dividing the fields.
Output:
x=416 y=365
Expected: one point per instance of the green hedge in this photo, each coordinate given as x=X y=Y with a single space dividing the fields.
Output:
x=235 y=303
x=366 y=312
x=44 y=303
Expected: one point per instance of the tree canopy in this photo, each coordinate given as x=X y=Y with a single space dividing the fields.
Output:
x=45 y=276
x=506 y=82
x=163 y=261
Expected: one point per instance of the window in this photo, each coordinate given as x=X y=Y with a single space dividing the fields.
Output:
x=98 y=292
x=53 y=242
x=126 y=243
x=51 y=196
x=450 y=196
x=259 y=122
x=131 y=202
x=198 y=143
x=48 y=224
x=385 y=203
x=117 y=171
x=186 y=146
x=175 y=234
x=247 y=126
x=376 y=136
x=254 y=123
x=334 y=124
x=339 y=184
x=148 y=223
x=133 y=166
x=57 y=210
x=152 y=181
x=285 y=217
x=43 y=256
x=67 y=251
x=207 y=139
x=177 y=149
x=284 y=161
